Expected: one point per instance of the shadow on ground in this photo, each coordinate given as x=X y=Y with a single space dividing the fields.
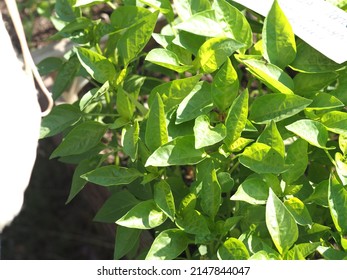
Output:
x=46 y=228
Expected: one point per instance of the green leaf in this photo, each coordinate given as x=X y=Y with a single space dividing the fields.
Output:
x=167 y=59
x=253 y=190
x=341 y=167
x=189 y=41
x=297 y=160
x=78 y=31
x=65 y=10
x=60 y=118
x=271 y=137
x=299 y=211
x=112 y=175
x=125 y=241
x=324 y=101
x=203 y=23
x=117 y=205
x=127 y=16
x=173 y=92
x=276 y=107
x=312 y=131
x=132 y=42
x=331 y=254
x=232 y=249
x=233 y=22
x=240 y=144
x=226 y=181
x=125 y=107
x=163 y=6
x=262 y=158
x=156 y=133
x=305 y=249
x=337 y=198
x=210 y=194
x=320 y=194
x=192 y=221
x=66 y=73
x=237 y=118
x=164 y=199
x=79 y=3
x=336 y=122
x=180 y=151
x=278 y=38
x=186 y=8
x=312 y=82
x=225 y=86
x=188 y=203
x=310 y=60
x=198 y=102
x=215 y=51
x=48 y=65
x=130 y=138
x=271 y=75
x=145 y=215
x=97 y=66
x=205 y=134
x=280 y=223
x=78 y=183
x=80 y=139
x=168 y=245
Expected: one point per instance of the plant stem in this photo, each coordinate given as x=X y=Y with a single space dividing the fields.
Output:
x=188 y=254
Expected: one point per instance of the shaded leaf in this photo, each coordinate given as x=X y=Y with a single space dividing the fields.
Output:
x=112 y=175
x=337 y=199
x=168 y=245
x=125 y=241
x=297 y=161
x=80 y=139
x=117 y=205
x=225 y=86
x=156 y=133
x=60 y=118
x=164 y=199
x=276 y=107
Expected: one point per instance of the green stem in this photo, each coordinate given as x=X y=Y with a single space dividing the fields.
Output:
x=330 y=157
x=189 y=256
x=234 y=167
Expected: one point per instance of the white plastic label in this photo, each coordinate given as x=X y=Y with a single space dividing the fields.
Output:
x=318 y=23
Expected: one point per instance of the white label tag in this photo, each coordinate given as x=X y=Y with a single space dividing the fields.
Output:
x=318 y=23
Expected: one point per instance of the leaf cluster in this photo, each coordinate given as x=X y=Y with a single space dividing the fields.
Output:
x=226 y=140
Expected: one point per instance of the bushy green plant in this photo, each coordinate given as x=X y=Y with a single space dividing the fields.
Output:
x=227 y=140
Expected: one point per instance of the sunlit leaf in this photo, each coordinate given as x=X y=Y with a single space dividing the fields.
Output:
x=144 y=215
x=280 y=223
